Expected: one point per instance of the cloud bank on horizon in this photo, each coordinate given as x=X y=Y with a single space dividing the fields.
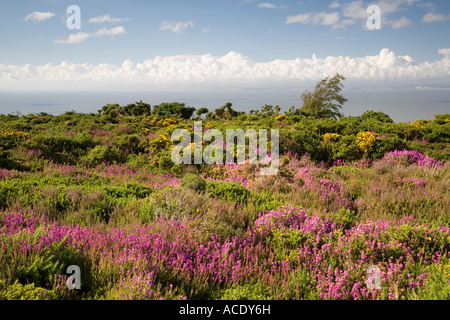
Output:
x=232 y=69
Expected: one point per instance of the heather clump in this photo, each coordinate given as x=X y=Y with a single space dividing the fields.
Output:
x=410 y=157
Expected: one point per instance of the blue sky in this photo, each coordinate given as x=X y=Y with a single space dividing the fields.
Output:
x=221 y=41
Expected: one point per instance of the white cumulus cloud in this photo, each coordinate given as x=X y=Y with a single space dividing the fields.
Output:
x=334 y=5
x=322 y=18
x=444 y=52
x=232 y=69
x=401 y=23
x=110 y=32
x=268 y=5
x=435 y=17
x=107 y=18
x=304 y=18
x=80 y=37
x=75 y=38
x=330 y=19
x=355 y=12
x=176 y=27
x=38 y=16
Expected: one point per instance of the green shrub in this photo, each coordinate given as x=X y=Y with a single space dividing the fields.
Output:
x=146 y=212
x=165 y=162
x=346 y=219
x=345 y=148
x=133 y=190
x=387 y=144
x=28 y=292
x=61 y=148
x=40 y=271
x=229 y=191
x=285 y=241
x=104 y=153
x=174 y=109
x=262 y=201
x=437 y=284
x=102 y=208
x=251 y=291
x=377 y=116
x=287 y=144
x=176 y=203
x=52 y=201
x=222 y=221
x=442 y=118
x=438 y=151
x=439 y=133
x=301 y=287
x=193 y=182
x=131 y=143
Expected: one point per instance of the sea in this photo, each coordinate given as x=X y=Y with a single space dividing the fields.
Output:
x=402 y=105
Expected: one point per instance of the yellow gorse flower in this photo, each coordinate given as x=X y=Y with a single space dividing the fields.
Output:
x=418 y=124
x=10 y=133
x=165 y=137
x=331 y=137
x=169 y=122
x=155 y=122
x=366 y=140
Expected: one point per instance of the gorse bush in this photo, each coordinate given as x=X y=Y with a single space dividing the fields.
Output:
x=228 y=191
x=376 y=116
x=366 y=141
x=61 y=148
x=101 y=154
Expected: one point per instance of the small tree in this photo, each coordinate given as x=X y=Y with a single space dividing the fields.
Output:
x=326 y=101
x=112 y=110
x=137 y=109
x=174 y=109
x=267 y=110
x=201 y=112
x=277 y=109
x=225 y=112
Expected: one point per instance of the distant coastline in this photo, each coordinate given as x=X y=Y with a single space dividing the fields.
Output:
x=400 y=105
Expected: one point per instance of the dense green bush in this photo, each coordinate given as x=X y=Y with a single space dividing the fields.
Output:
x=129 y=190
x=377 y=116
x=387 y=144
x=228 y=191
x=104 y=153
x=18 y=291
x=257 y=291
x=193 y=182
x=438 y=133
x=175 y=109
x=60 y=148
